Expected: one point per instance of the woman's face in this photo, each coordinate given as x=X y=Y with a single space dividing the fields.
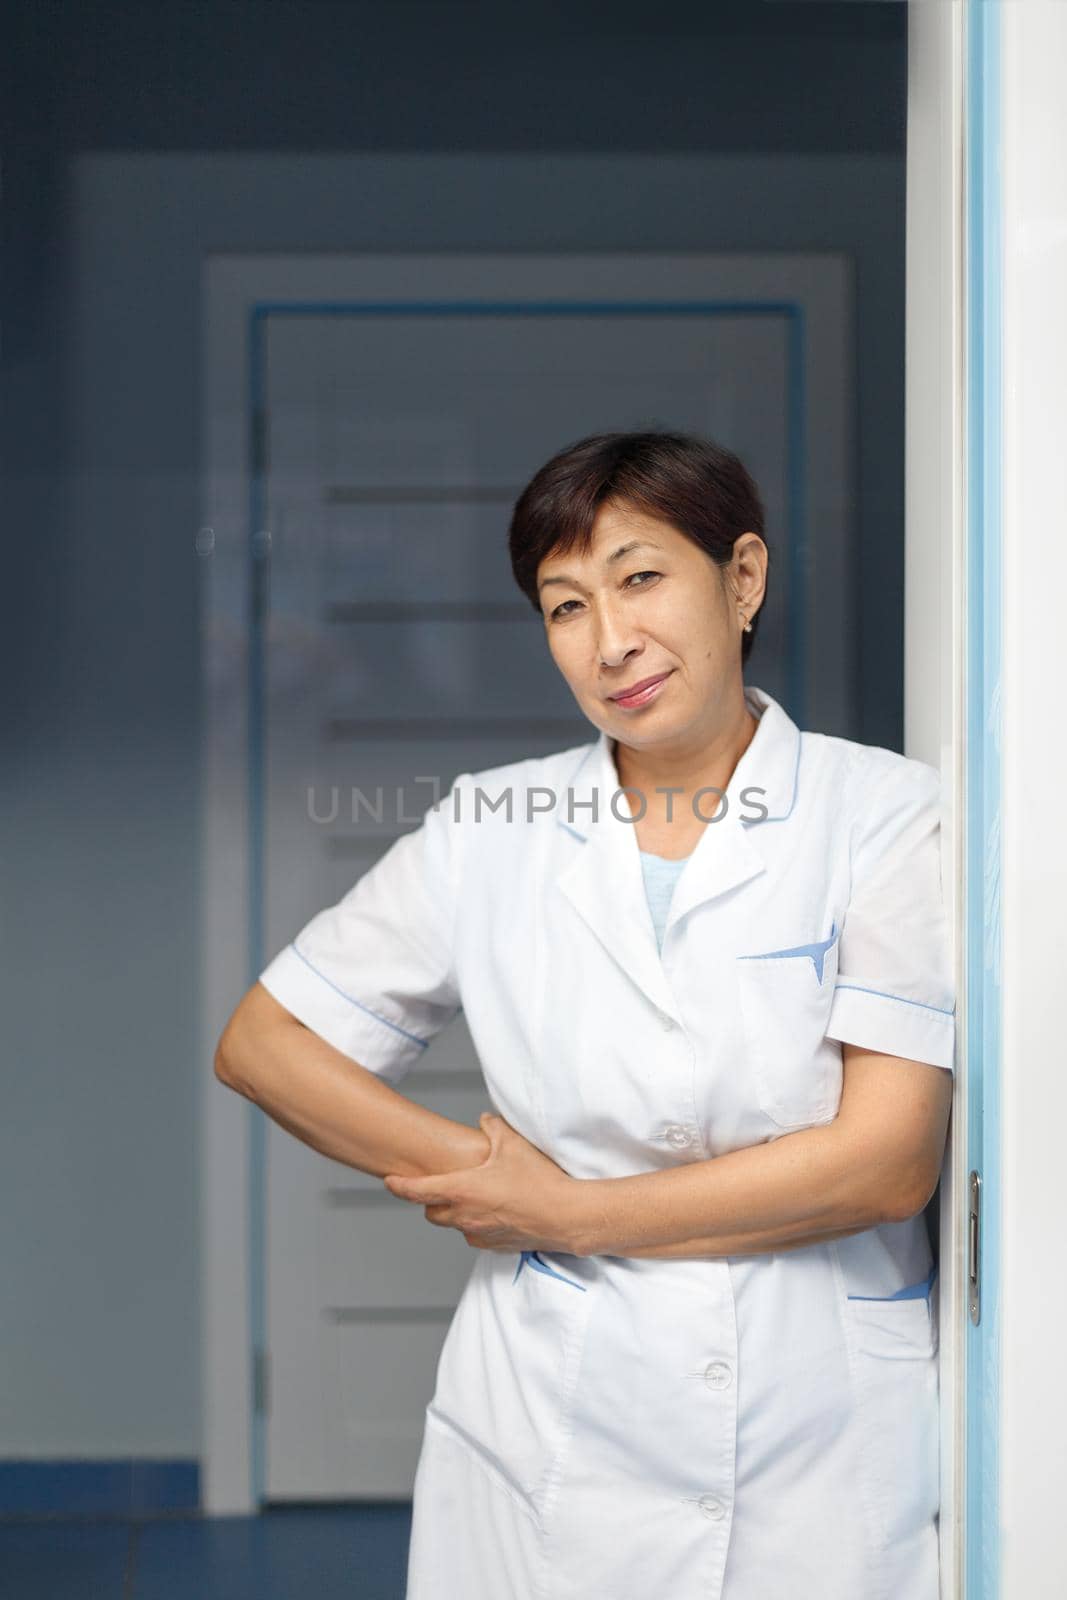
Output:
x=660 y=607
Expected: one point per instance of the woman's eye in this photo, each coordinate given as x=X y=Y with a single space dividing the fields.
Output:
x=561 y=611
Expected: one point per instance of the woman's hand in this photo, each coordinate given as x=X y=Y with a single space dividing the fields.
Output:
x=516 y=1199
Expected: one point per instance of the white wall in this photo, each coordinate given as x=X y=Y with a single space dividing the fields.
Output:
x=1034 y=843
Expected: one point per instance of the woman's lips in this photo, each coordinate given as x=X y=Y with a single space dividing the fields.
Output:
x=641 y=697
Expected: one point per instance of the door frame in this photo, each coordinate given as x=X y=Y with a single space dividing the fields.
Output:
x=934 y=555
x=952 y=689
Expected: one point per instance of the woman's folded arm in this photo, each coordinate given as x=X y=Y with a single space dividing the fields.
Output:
x=332 y=1103
x=878 y=1161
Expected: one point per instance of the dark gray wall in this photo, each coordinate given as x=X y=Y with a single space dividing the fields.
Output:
x=135 y=140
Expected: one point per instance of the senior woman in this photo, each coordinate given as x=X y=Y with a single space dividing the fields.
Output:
x=704 y=963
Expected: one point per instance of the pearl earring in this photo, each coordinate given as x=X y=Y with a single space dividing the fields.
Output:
x=748 y=625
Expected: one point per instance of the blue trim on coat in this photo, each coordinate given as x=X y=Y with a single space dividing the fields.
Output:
x=816 y=951
x=422 y=1043
x=535 y=1261
x=910 y=1291
x=884 y=994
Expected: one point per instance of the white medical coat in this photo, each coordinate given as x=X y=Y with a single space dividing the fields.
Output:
x=742 y=1428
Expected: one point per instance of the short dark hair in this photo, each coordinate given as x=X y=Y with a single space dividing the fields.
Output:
x=697 y=486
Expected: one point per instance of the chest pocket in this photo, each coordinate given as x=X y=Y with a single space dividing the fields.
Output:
x=785 y=997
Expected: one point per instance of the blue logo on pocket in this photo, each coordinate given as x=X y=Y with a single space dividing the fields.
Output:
x=910 y=1291
x=815 y=951
x=534 y=1259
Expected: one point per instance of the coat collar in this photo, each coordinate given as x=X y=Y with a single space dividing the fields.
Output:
x=605 y=882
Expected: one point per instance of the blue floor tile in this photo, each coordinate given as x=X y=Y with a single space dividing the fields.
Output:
x=61 y=1559
x=329 y=1553
x=126 y=1487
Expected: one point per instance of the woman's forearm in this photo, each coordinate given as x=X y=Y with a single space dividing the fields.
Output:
x=326 y=1100
x=743 y=1244
x=798 y=1189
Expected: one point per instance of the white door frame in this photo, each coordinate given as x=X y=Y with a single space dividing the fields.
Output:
x=934 y=621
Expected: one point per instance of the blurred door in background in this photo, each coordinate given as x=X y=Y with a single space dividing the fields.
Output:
x=370 y=423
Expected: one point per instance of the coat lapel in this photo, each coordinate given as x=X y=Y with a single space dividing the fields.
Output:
x=605 y=883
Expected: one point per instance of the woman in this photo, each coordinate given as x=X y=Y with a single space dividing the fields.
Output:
x=705 y=965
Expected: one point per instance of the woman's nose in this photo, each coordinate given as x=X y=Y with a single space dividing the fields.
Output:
x=616 y=638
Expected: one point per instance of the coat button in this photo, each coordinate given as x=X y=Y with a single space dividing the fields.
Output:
x=718 y=1375
x=677 y=1137
x=711 y=1507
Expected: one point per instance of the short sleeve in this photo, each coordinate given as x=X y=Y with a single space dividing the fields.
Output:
x=894 y=990
x=374 y=974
